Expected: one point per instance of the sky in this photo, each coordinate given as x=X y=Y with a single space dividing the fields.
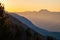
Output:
x=31 y=5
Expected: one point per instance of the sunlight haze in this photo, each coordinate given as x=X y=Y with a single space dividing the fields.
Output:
x=31 y=5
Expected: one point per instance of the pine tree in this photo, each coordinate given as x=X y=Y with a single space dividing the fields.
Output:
x=1 y=14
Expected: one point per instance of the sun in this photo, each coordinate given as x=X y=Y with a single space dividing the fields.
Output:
x=2 y=1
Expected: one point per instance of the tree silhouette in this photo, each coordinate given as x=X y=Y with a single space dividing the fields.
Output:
x=1 y=14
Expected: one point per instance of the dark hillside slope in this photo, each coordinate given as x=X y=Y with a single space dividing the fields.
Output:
x=12 y=29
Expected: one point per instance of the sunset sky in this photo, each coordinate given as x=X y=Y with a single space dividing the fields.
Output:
x=31 y=5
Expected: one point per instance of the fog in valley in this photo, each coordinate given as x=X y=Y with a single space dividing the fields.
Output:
x=44 y=19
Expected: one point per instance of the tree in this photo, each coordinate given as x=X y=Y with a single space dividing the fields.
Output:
x=1 y=14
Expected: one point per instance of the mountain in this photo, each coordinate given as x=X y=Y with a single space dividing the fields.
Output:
x=31 y=26
x=37 y=29
x=45 y=20
x=44 y=11
x=17 y=27
x=49 y=21
x=22 y=27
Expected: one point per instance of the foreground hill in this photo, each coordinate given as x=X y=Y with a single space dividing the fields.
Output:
x=13 y=29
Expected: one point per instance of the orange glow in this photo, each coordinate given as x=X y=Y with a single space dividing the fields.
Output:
x=31 y=5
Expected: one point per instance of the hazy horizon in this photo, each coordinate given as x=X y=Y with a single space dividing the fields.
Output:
x=31 y=5
x=47 y=20
x=40 y=11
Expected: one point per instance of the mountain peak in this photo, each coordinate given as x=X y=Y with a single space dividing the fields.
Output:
x=44 y=11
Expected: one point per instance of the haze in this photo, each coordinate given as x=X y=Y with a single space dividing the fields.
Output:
x=44 y=19
x=31 y=5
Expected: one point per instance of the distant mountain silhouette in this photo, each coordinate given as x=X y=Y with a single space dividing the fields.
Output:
x=44 y=11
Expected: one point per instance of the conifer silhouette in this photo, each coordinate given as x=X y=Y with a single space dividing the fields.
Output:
x=1 y=14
